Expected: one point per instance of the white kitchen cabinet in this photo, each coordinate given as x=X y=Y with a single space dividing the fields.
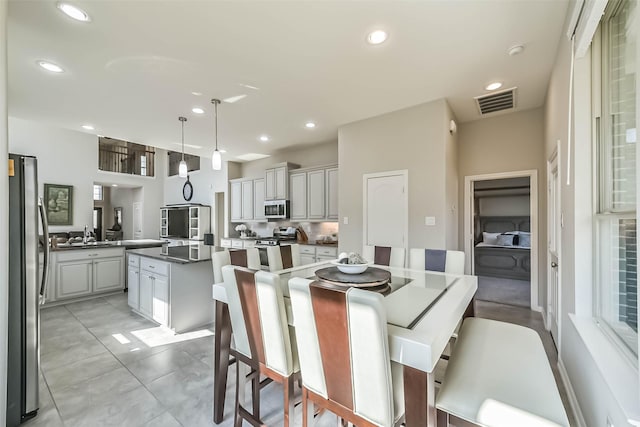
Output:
x=74 y=278
x=247 y=200
x=258 y=199
x=146 y=294
x=226 y=243
x=315 y=194
x=85 y=272
x=307 y=259
x=160 y=304
x=133 y=281
x=237 y=244
x=298 y=203
x=107 y=274
x=277 y=181
x=236 y=201
x=199 y=222
x=332 y=193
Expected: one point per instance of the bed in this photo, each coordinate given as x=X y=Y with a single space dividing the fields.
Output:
x=510 y=262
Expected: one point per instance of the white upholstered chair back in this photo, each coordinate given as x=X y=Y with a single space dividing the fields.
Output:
x=279 y=262
x=450 y=262
x=376 y=387
x=384 y=255
x=222 y=258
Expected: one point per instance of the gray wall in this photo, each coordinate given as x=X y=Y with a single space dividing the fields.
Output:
x=415 y=139
x=71 y=158
x=513 y=142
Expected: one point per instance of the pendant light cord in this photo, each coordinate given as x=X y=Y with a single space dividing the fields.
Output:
x=182 y=120
x=216 y=115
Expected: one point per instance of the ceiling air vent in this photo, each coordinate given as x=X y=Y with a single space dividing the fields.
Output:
x=497 y=101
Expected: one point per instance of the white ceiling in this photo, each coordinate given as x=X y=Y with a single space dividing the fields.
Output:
x=131 y=71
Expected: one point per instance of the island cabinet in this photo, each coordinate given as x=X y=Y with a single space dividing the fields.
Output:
x=86 y=272
x=314 y=194
x=174 y=293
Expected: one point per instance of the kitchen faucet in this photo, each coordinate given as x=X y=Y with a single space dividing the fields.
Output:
x=85 y=239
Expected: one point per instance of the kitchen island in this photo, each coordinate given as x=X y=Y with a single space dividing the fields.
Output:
x=172 y=285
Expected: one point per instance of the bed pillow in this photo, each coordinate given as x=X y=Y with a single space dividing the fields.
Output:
x=490 y=238
x=524 y=239
x=505 y=239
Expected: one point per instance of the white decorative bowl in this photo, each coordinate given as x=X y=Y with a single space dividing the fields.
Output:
x=350 y=268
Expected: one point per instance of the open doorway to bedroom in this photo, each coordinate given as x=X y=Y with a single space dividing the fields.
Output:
x=501 y=237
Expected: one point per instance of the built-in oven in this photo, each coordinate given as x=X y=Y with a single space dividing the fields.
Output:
x=264 y=259
x=276 y=209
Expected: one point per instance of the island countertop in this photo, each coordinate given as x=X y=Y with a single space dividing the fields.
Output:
x=175 y=254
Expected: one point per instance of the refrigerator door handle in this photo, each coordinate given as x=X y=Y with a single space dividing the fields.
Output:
x=45 y=266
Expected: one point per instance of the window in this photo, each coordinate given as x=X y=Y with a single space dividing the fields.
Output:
x=97 y=192
x=193 y=162
x=115 y=155
x=616 y=298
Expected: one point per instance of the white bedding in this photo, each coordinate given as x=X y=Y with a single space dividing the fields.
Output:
x=488 y=245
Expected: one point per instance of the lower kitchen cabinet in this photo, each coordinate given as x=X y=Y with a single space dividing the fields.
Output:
x=310 y=254
x=174 y=294
x=84 y=272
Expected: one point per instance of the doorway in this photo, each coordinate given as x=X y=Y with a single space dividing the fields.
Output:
x=386 y=209
x=501 y=236
x=97 y=223
x=553 y=247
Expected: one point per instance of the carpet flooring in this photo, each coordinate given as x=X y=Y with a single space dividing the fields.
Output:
x=504 y=291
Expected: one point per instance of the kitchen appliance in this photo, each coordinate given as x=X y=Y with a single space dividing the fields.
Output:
x=282 y=235
x=276 y=209
x=27 y=288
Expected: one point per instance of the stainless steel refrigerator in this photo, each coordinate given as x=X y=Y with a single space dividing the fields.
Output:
x=26 y=285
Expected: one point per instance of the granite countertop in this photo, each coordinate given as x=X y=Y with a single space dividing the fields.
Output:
x=127 y=244
x=179 y=258
x=328 y=245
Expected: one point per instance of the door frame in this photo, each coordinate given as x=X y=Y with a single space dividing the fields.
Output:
x=532 y=174
x=555 y=157
x=405 y=175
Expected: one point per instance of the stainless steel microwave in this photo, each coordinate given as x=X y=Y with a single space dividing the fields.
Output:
x=276 y=209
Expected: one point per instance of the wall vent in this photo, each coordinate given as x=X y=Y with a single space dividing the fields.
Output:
x=497 y=101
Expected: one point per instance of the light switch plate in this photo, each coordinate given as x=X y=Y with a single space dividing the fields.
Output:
x=429 y=220
x=345 y=220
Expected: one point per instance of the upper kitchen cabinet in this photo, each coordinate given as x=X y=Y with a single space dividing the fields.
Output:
x=276 y=182
x=247 y=200
x=314 y=194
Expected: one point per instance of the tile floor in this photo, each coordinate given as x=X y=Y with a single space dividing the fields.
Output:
x=103 y=365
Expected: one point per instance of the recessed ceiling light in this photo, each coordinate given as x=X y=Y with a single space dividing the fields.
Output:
x=377 y=37
x=309 y=125
x=74 y=12
x=264 y=138
x=88 y=127
x=114 y=185
x=197 y=110
x=50 y=66
x=493 y=86
x=233 y=99
x=196 y=93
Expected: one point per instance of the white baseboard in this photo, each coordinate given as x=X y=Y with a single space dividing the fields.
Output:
x=573 y=400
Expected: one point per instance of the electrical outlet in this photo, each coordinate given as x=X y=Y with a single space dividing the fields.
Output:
x=429 y=220
x=345 y=220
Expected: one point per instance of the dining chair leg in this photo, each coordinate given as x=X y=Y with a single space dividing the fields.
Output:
x=289 y=403
x=255 y=394
x=221 y=350
x=241 y=376
x=307 y=409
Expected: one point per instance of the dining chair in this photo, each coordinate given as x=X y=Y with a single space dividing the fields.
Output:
x=344 y=355
x=445 y=261
x=384 y=255
x=283 y=257
x=224 y=332
x=263 y=338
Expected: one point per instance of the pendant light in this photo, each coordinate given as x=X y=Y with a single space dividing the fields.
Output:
x=216 y=159
x=182 y=169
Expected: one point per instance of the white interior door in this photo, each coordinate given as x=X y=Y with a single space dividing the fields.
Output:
x=553 y=231
x=137 y=220
x=386 y=209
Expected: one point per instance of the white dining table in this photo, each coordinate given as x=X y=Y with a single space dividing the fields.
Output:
x=423 y=310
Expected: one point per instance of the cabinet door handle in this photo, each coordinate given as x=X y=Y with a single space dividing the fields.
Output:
x=151 y=266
